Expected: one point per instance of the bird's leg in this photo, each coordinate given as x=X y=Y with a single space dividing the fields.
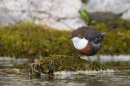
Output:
x=91 y=63
x=78 y=57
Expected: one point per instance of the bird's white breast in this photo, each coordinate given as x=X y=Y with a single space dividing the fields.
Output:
x=79 y=43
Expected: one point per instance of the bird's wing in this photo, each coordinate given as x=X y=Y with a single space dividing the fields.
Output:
x=93 y=36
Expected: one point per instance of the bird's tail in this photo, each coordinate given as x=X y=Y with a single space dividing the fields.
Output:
x=104 y=34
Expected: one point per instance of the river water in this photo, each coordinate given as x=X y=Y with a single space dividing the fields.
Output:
x=119 y=78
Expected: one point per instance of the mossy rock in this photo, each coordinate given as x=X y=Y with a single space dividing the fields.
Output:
x=56 y=63
x=35 y=41
x=39 y=41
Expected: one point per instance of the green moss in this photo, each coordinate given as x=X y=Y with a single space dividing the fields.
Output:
x=40 y=40
x=55 y=63
x=33 y=41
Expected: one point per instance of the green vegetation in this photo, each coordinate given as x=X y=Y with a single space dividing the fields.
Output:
x=55 y=63
x=84 y=14
x=40 y=41
x=30 y=23
x=34 y=41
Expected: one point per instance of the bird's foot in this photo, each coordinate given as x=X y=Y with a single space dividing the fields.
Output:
x=91 y=63
x=77 y=57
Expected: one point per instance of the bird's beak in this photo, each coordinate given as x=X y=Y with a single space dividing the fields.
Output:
x=69 y=38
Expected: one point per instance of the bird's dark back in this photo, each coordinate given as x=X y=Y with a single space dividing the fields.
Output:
x=91 y=33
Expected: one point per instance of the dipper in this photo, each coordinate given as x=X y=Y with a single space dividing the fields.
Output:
x=87 y=41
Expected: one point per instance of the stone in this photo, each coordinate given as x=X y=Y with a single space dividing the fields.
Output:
x=126 y=15
x=59 y=14
x=108 y=8
x=114 y=6
x=5 y=18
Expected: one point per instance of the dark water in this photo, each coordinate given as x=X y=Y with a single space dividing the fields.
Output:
x=120 y=78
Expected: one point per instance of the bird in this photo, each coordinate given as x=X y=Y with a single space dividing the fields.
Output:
x=87 y=41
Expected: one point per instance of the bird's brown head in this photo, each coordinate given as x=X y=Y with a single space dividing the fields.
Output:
x=78 y=33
